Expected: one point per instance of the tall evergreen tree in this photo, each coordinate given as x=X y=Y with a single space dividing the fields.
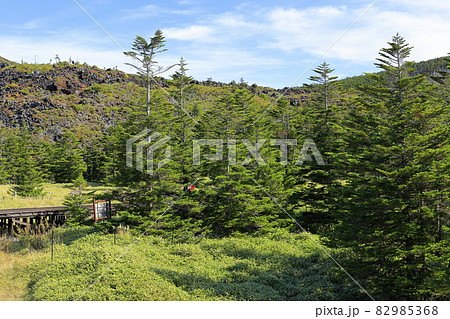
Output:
x=183 y=84
x=4 y=171
x=26 y=173
x=391 y=187
x=232 y=201
x=144 y=55
x=311 y=185
x=326 y=83
x=65 y=159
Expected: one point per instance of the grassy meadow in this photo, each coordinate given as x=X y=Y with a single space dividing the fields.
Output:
x=13 y=275
x=274 y=266
x=54 y=195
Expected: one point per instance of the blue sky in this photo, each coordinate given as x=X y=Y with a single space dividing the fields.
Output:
x=271 y=43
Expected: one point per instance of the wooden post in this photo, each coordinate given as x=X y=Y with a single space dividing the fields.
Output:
x=27 y=228
x=10 y=227
x=53 y=240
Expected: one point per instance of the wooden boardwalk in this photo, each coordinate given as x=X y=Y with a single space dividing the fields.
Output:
x=12 y=219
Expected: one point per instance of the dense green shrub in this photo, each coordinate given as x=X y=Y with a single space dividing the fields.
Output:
x=278 y=266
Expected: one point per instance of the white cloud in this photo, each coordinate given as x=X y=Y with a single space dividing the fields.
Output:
x=271 y=38
x=187 y=2
x=425 y=32
x=151 y=10
x=238 y=23
x=192 y=33
x=248 y=40
x=29 y=25
x=309 y=29
x=32 y=24
x=423 y=5
x=45 y=49
x=314 y=30
x=141 y=13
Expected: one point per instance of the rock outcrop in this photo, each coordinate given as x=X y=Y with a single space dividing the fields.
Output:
x=49 y=99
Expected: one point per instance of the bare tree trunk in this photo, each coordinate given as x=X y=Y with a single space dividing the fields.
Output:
x=148 y=97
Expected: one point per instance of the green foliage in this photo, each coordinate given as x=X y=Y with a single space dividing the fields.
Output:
x=64 y=160
x=277 y=266
x=394 y=178
x=77 y=213
x=327 y=83
x=19 y=162
x=382 y=193
x=432 y=68
x=74 y=203
x=79 y=183
x=144 y=55
x=31 y=68
x=441 y=75
x=28 y=189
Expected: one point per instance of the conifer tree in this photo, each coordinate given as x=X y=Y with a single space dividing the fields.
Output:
x=326 y=83
x=312 y=197
x=156 y=200
x=65 y=159
x=4 y=171
x=231 y=200
x=396 y=69
x=183 y=84
x=390 y=189
x=23 y=154
x=144 y=55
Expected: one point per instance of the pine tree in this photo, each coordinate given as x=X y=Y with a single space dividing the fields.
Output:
x=65 y=159
x=396 y=69
x=390 y=184
x=23 y=154
x=311 y=185
x=156 y=200
x=74 y=203
x=232 y=201
x=326 y=83
x=144 y=55
x=183 y=84
x=4 y=171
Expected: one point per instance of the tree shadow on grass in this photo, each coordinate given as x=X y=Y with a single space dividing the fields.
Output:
x=268 y=277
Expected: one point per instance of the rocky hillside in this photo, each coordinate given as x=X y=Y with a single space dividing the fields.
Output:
x=4 y=63
x=48 y=98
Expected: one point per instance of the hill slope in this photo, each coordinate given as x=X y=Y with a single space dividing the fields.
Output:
x=48 y=99
x=277 y=266
x=429 y=67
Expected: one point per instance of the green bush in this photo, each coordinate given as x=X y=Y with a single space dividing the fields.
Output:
x=28 y=190
x=152 y=268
